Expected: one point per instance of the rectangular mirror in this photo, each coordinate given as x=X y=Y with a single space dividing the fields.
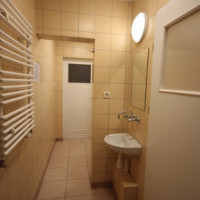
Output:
x=139 y=78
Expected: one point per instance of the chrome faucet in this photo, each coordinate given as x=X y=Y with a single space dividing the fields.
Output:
x=125 y=113
x=129 y=115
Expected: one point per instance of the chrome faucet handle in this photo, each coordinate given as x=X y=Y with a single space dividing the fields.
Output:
x=123 y=112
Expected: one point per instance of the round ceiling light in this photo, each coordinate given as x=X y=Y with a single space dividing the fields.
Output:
x=139 y=27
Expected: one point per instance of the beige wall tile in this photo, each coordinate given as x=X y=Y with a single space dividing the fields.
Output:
x=103 y=24
x=118 y=42
x=100 y=122
x=99 y=151
x=88 y=35
x=118 y=59
x=87 y=6
x=99 y=165
x=100 y=106
x=102 y=58
x=120 y=8
x=103 y=41
x=115 y=123
x=98 y=136
x=69 y=5
x=98 y=177
x=69 y=21
x=99 y=88
x=116 y=106
x=86 y=23
x=51 y=19
x=117 y=75
x=101 y=74
x=51 y=4
x=104 y=7
x=119 y=25
x=38 y=4
x=39 y=17
x=117 y=91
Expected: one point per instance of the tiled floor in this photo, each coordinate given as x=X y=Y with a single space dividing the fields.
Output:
x=67 y=175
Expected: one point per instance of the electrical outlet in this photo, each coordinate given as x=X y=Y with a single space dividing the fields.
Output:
x=106 y=95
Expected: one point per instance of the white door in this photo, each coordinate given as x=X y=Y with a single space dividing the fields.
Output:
x=76 y=101
x=173 y=149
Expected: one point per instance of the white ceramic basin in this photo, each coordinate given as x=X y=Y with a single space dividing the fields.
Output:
x=123 y=143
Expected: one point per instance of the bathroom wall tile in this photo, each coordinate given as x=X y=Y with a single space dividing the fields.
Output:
x=69 y=21
x=117 y=91
x=99 y=165
x=98 y=136
x=99 y=177
x=103 y=41
x=117 y=75
x=116 y=106
x=39 y=18
x=87 y=35
x=4 y=186
x=118 y=42
x=69 y=5
x=120 y=8
x=87 y=6
x=99 y=88
x=104 y=7
x=99 y=151
x=38 y=4
x=86 y=23
x=161 y=3
x=51 y=19
x=119 y=25
x=152 y=7
x=51 y=4
x=118 y=59
x=102 y=58
x=115 y=123
x=101 y=74
x=103 y=24
x=100 y=106
x=100 y=122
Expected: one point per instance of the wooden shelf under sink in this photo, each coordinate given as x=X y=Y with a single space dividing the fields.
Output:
x=124 y=185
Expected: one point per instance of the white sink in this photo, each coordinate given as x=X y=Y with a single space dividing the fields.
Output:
x=123 y=143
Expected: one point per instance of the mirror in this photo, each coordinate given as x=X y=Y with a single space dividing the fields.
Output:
x=139 y=78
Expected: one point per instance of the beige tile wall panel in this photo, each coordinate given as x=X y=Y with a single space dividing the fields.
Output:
x=27 y=162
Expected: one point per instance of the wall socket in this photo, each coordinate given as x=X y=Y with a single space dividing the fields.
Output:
x=106 y=95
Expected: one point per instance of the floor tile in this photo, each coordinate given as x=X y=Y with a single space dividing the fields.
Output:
x=78 y=161
x=61 y=146
x=78 y=187
x=82 y=197
x=52 y=189
x=77 y=172
x=77 y=152
x=104 y=197
x=58 y=162
x=60 y=153
x=56 y=174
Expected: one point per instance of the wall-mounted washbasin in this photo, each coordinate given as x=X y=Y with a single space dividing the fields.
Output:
x=123 y=143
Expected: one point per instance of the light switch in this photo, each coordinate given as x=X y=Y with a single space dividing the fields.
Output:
x=106 y=95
